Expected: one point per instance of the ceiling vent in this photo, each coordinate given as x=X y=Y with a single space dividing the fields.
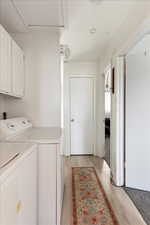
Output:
x=40 y=13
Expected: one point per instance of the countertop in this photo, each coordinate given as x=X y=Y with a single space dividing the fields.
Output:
x=47 y=135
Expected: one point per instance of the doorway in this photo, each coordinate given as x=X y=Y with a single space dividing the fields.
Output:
x=107 y=113
x=82 y=115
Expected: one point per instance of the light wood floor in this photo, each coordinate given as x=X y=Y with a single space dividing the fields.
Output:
x=124 y=209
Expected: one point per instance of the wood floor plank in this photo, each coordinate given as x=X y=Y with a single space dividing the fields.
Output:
x=123 y=207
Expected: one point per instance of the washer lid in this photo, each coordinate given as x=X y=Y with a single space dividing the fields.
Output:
x=10 y=151
x=6 y=157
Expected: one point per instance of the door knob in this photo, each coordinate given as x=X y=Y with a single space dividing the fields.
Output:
x=72 y=120
x=18 y=207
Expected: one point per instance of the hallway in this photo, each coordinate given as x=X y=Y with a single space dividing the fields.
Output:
x=124 y=209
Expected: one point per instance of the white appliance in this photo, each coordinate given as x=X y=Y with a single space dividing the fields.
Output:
x=50 y=164
x=18 y=184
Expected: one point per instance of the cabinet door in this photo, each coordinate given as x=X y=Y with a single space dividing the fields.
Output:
x=27 y=190
x=47 y=184
x=60 y=182
x=5 y=61
x=9 y=204
x=17 y=70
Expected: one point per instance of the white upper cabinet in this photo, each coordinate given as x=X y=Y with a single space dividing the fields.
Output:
x=5 y=61
x=11 y=66
x=17 y=70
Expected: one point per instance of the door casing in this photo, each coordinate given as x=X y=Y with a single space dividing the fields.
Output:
x=67 y=112
x=93 y=114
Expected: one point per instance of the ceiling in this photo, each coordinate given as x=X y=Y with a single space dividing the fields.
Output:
x=113 y=20
x=91 y=26
x=25 y=15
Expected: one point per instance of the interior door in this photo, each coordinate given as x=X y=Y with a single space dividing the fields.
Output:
x=82 y=115
x=137 y=120
x=117 y=123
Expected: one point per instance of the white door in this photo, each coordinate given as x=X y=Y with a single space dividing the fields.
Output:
x=17 y=70
x=117 y=124
x=82 y=115
x=137 y=117
x=5 y=61
x=60 y=182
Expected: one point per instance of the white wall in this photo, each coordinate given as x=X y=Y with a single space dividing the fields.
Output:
x=81 y=68
x=137 y=116
x=126 y=41
x=85 y=68
x=41 y=103
x=127 y=38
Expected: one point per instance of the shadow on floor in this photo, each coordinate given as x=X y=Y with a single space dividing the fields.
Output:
x=141 y=199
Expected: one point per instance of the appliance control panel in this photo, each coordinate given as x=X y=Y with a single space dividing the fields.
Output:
x=13 y=126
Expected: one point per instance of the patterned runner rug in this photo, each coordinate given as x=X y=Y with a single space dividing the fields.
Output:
x=90 y=204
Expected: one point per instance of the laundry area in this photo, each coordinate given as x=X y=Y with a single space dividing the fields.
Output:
x=74 y=112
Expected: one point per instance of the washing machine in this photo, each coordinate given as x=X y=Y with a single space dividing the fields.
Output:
x=50 y=167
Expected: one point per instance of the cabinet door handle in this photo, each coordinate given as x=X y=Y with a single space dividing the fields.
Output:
x=18 y=207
